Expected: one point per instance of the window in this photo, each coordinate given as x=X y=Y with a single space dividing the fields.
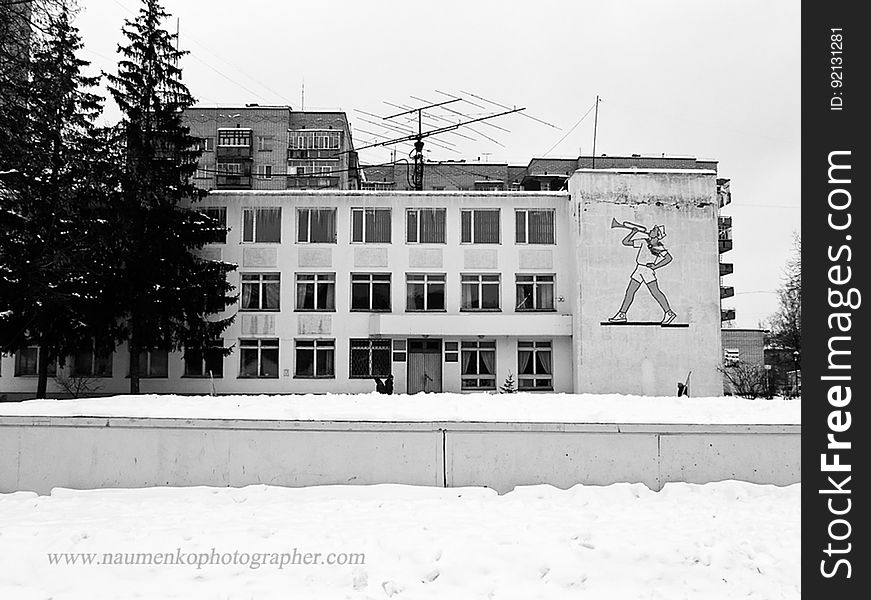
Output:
x=264 y=171
x=534 y=366
x=315 y=358
x=316 y=291
x=534 y=226
x=206 y=144
x=27 y=362
x=316 y=225
x=370 y=291
x=479 y=365
x=261 y=291
x=488 y=186
x=313 y=167
x=261 y=225
x=234 y=137
x=425 y=291
x=259 y=358
x=264 y=143
x=731 y=356
x=480 y=292
x=230 y=169
x=535 y=292
x=208 y=362
x=90 y=361
x=370 y=358
x=324 y=139
x=154 y=363
x=377 y=185
x=479 y=226
x=370 y=225
x=217 y=223
x=425 y=226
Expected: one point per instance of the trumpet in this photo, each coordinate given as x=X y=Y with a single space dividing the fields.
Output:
x=627 y=225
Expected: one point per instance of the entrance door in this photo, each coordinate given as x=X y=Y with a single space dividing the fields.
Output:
x=424 y=366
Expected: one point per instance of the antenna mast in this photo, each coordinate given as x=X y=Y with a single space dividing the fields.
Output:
x=595 y=129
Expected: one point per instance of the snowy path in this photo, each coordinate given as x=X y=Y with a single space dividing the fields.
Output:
x=721 y=540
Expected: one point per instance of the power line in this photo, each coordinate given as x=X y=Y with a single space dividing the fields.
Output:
x=572 y=129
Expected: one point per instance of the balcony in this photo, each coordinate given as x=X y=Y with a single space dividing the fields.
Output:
x=234 y=153
x=726 y=269
x=725 y=245
x=490 y=324
x=723 y=192
x=234 y=182
x=727 y=314
x=727 y=291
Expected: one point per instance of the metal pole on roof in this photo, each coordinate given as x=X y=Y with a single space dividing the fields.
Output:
x=595 y=129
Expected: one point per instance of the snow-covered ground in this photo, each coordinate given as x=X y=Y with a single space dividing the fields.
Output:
x=520 y=407
x=719 y=540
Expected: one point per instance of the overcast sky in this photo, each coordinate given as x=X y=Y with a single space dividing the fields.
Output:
x=714 y=80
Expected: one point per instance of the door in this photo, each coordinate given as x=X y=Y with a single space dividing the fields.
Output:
x=424 y=366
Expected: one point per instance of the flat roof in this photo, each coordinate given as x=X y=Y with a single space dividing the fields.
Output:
x=385 y=193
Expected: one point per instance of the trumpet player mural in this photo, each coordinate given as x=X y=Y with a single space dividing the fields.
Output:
x=652 y=256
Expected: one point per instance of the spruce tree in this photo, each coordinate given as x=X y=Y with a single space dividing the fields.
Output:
x=172 y=296
x=49 y=289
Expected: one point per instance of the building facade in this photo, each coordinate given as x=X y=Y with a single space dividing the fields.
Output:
x=273 y=148
x=454 y=291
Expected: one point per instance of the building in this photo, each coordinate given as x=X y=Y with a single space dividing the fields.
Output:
x=273 y=148
x=450 y=291
x=744 y=358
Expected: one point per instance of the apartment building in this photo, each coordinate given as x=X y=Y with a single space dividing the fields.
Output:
x=454 y=291
x=273 y=148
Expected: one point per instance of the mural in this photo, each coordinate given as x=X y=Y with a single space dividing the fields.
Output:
x=652 y=256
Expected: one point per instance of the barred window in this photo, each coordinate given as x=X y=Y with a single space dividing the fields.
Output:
x=425 y=225
x=370 y=291
x=261 y=225
x=316 y=225
x=479 y=226
x=315 y=359
x=425 y=291
x=534 y=226
x=205 y=362
x=370 y=225
x=535 y=292
x=534 y=365
x=259 y=358
x=261 y=291
x=480 y=292
x=370 y=358
x=316 y=291
x=478 y=365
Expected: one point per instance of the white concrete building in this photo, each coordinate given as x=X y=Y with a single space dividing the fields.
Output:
x=454 y=291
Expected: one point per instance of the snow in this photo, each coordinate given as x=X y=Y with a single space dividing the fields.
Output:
x=519 y=407
x=718 y=540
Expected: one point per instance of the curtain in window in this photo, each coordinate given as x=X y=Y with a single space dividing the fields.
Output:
x=520 y=227
x=469 y=362
x=541 y=227
x=432 y=227
x=488 y=362
x=524 y=362
x=545 y=297
x=470 y=295
x=250 y=295
x=544 y=362
x=487 y=227
x=248 y=225
x=411 y=226
x=326 y=362
x=269 y=362
x=302 y=224
x=323 y=226
x=268 y=225
x=271 y=291
x=381 y=226
x=356 y=225
x=466 y=226
x=249 y=362
x=326 y=296
x=305 y=297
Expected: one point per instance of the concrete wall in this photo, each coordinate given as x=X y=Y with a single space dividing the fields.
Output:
x=39 y=453
x=648 y=359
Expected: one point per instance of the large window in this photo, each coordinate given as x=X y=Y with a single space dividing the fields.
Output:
x=370 y=358
x=370 y=225
x=154 y=363
x=534 y=226
x=316 y=291
x=259 y=358
x=261 y=224
x=534 y=365
x=479 y=365
x=324 y=139
x=425 y=225
x=479 y=226
x=261 y=291
x=208 y=362
x=234 y=137
x=480 y=292
x=311 y=168
x=217 y=223
x=535 y=292
x=27 y=362
x=315 y=358
x=92 y=361
x=316 y=225
x=425 y=291
x=370 y=291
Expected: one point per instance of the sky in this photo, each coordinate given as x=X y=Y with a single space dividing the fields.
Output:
x=713 y=80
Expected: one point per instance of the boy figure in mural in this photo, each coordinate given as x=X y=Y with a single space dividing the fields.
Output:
x=652 y=255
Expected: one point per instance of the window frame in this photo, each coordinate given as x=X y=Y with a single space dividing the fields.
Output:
x=429 y=279
x=316 y=282
x=335 y=212
x=535 y=285
x=365 y=224
x=317 y=344
x=148 y=371
x=52 y=366
x=221 y=218
x=419 y=224
x=260 y=345
x=94 y=361
x=262 y=280
x=386 y=346
x=371 y=283
x=473 y=218
x=535 y=347
x=253 y=210
x=480 y=283
x=476 y=347
x=525 y=212
x=264 y=172
x=243 y=133
x=214 y=346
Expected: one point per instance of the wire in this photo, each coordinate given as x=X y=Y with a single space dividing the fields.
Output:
x=570 y=130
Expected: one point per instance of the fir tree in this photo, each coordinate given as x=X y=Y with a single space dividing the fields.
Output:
x=509 y=386
x=49 y=197
x=171 y=295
